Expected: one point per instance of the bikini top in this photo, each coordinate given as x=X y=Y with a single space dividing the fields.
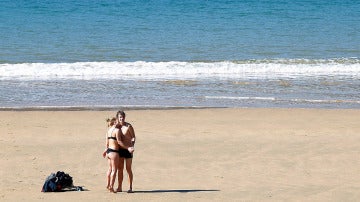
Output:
x=114 y=138
x=111 y=137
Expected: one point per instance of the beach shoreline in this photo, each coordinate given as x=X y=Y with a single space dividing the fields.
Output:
x=102 y=108
x=219 y=154
x=141 y=108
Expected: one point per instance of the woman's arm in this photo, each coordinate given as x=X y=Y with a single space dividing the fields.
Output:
x=106 y=145
x=132 y=134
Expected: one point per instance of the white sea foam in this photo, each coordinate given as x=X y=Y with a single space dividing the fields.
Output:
x=160 y=70
x=240 y=98
x=296 y=100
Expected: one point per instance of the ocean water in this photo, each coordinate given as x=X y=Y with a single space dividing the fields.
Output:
x=191 y=53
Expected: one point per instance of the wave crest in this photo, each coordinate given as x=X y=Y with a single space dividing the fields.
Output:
x=182 y=70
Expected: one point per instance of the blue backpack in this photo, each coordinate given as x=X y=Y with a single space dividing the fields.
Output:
x=57 y=182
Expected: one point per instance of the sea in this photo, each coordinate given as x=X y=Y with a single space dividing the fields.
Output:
x=165 y=54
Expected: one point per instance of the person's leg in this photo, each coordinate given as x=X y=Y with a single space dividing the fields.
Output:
x=130 y=173
x=114 y=162
x=108 y=173
x=120 y=174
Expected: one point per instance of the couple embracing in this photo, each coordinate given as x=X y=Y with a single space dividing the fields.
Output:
x=120 y=141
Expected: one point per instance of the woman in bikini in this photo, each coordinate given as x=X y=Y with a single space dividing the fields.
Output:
x=112 y=153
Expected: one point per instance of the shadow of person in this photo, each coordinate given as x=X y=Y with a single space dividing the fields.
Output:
x=176 y=190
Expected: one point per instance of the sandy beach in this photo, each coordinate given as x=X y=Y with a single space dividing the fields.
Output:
x=188 y=154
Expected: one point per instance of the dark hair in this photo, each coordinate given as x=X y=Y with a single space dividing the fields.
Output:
x=122 y=113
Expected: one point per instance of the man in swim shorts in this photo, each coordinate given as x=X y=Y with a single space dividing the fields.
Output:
x=127 y=135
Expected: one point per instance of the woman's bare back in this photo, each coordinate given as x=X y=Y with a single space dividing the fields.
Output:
x=111 y=135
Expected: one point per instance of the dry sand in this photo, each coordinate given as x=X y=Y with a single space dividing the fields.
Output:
x=188 y=155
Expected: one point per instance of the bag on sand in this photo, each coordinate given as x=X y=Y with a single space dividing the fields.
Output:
x=57 y=182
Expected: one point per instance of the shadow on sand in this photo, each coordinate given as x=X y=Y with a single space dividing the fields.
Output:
x=177 y=191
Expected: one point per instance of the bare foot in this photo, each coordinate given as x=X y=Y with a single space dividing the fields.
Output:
x=112 y=190
x=118 y=190
x=130 y=191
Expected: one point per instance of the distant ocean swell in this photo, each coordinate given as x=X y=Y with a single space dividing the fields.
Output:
x=277 y=68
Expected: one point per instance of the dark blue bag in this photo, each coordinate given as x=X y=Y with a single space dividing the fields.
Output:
x=57 y=182
x=50 y=183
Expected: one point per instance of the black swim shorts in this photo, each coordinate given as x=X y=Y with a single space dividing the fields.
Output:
x=124 y=153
